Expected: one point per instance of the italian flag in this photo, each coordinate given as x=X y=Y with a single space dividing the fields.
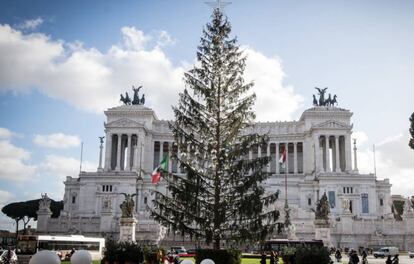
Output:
x=282 y=159
x=156 y=174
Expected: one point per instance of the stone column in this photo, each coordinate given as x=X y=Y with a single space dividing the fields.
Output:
x=348 y=159
x=277 y=158
x=268 y=154
x=161 y=152
x=108 y=151
x=118 y=154
x=170 y=145
x=128 y=157
x=355 y=156
x=100 y=155
x=295 y=157
x=337 y=162
x=317 y=155
x=328 y=167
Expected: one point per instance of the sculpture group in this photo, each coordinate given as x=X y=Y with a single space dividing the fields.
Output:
x=127 y=206
x=330 y=101
x=136 y=100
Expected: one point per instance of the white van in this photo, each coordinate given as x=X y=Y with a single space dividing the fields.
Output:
x=385 y=252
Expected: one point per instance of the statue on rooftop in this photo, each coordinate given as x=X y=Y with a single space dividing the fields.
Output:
x=136 y=100
x=321 y=95
x=330 y=101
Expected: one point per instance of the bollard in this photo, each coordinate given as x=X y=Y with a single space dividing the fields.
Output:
x=81 y=257
x=45 y=257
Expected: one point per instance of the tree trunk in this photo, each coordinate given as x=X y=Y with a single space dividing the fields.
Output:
x=17 y=228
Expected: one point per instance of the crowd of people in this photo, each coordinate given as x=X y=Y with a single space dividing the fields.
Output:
x=355 y=259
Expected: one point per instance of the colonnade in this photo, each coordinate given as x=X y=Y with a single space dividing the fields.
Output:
x=332 y=153
x=122 y=152
x=294 y=162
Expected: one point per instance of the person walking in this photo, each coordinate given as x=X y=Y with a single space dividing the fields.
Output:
x=263 y=258
x=338 y=255
x=395 y=260
x=388 y=261
x=273 y=258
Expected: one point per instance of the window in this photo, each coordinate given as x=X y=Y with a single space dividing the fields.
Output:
x=381 y=202
x=309 y=201
x=364 y=201
x=145 y=200
x=348 y=189
x=73 y=199
x=331 y=198
x=106 y=188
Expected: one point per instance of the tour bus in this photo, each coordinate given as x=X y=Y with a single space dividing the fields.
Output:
x=62 y=245
x=278 y=244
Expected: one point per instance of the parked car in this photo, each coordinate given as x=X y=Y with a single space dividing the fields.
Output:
x=411 y=253
x=385 y=252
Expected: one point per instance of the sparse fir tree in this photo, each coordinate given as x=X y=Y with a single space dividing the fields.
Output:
x=411 y=143
x=221 y=194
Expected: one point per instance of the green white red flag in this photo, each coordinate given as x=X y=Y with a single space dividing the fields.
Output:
x=282 y=159
x=163 y=167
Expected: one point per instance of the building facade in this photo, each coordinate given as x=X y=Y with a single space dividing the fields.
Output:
x=320 y=159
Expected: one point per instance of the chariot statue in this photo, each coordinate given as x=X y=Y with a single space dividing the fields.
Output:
x=135 y=100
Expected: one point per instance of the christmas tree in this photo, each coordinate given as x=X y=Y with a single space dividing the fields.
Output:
x=221 y=194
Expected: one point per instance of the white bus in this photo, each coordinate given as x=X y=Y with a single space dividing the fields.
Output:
x=62 y=245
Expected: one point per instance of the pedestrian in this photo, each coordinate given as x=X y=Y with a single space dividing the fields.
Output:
x=395 y=260
x=338 y=255
x=263 y=258
x=272 y=257
x=388 y=261
x=353 y=257
x=364 y=256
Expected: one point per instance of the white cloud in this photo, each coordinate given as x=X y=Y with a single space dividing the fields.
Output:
x=87 y=78
x=275 y=101
x=5 y=133
x=31 y=23
x=5 y=198
x=394 y=160
x=59 y=167
x=6 y=223
x=57 y=140
x=361 y=138
x=134 y=39
x=14 y=162
x=92 y=80
x=165 y=39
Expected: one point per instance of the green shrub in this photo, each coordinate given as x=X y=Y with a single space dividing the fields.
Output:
x=123 y=251
x=222 y=256
x=312 y=255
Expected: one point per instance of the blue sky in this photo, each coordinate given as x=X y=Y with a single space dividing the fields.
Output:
x=63 y=62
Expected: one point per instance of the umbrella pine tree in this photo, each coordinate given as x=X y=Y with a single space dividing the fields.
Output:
x=220 y=195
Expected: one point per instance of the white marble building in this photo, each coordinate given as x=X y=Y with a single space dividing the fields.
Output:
x=319 y=160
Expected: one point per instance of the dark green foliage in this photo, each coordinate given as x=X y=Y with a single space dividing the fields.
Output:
x=222 y=256
x=25 y=211
x=312 y=255
x=220 y=197
x=123 y=251
x=397 y=209
x=411 y=143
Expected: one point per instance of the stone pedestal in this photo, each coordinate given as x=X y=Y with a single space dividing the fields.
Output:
x=127 y=229
x=323 y=231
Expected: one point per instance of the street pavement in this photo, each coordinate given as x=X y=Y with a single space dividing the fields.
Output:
x=404 y=259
